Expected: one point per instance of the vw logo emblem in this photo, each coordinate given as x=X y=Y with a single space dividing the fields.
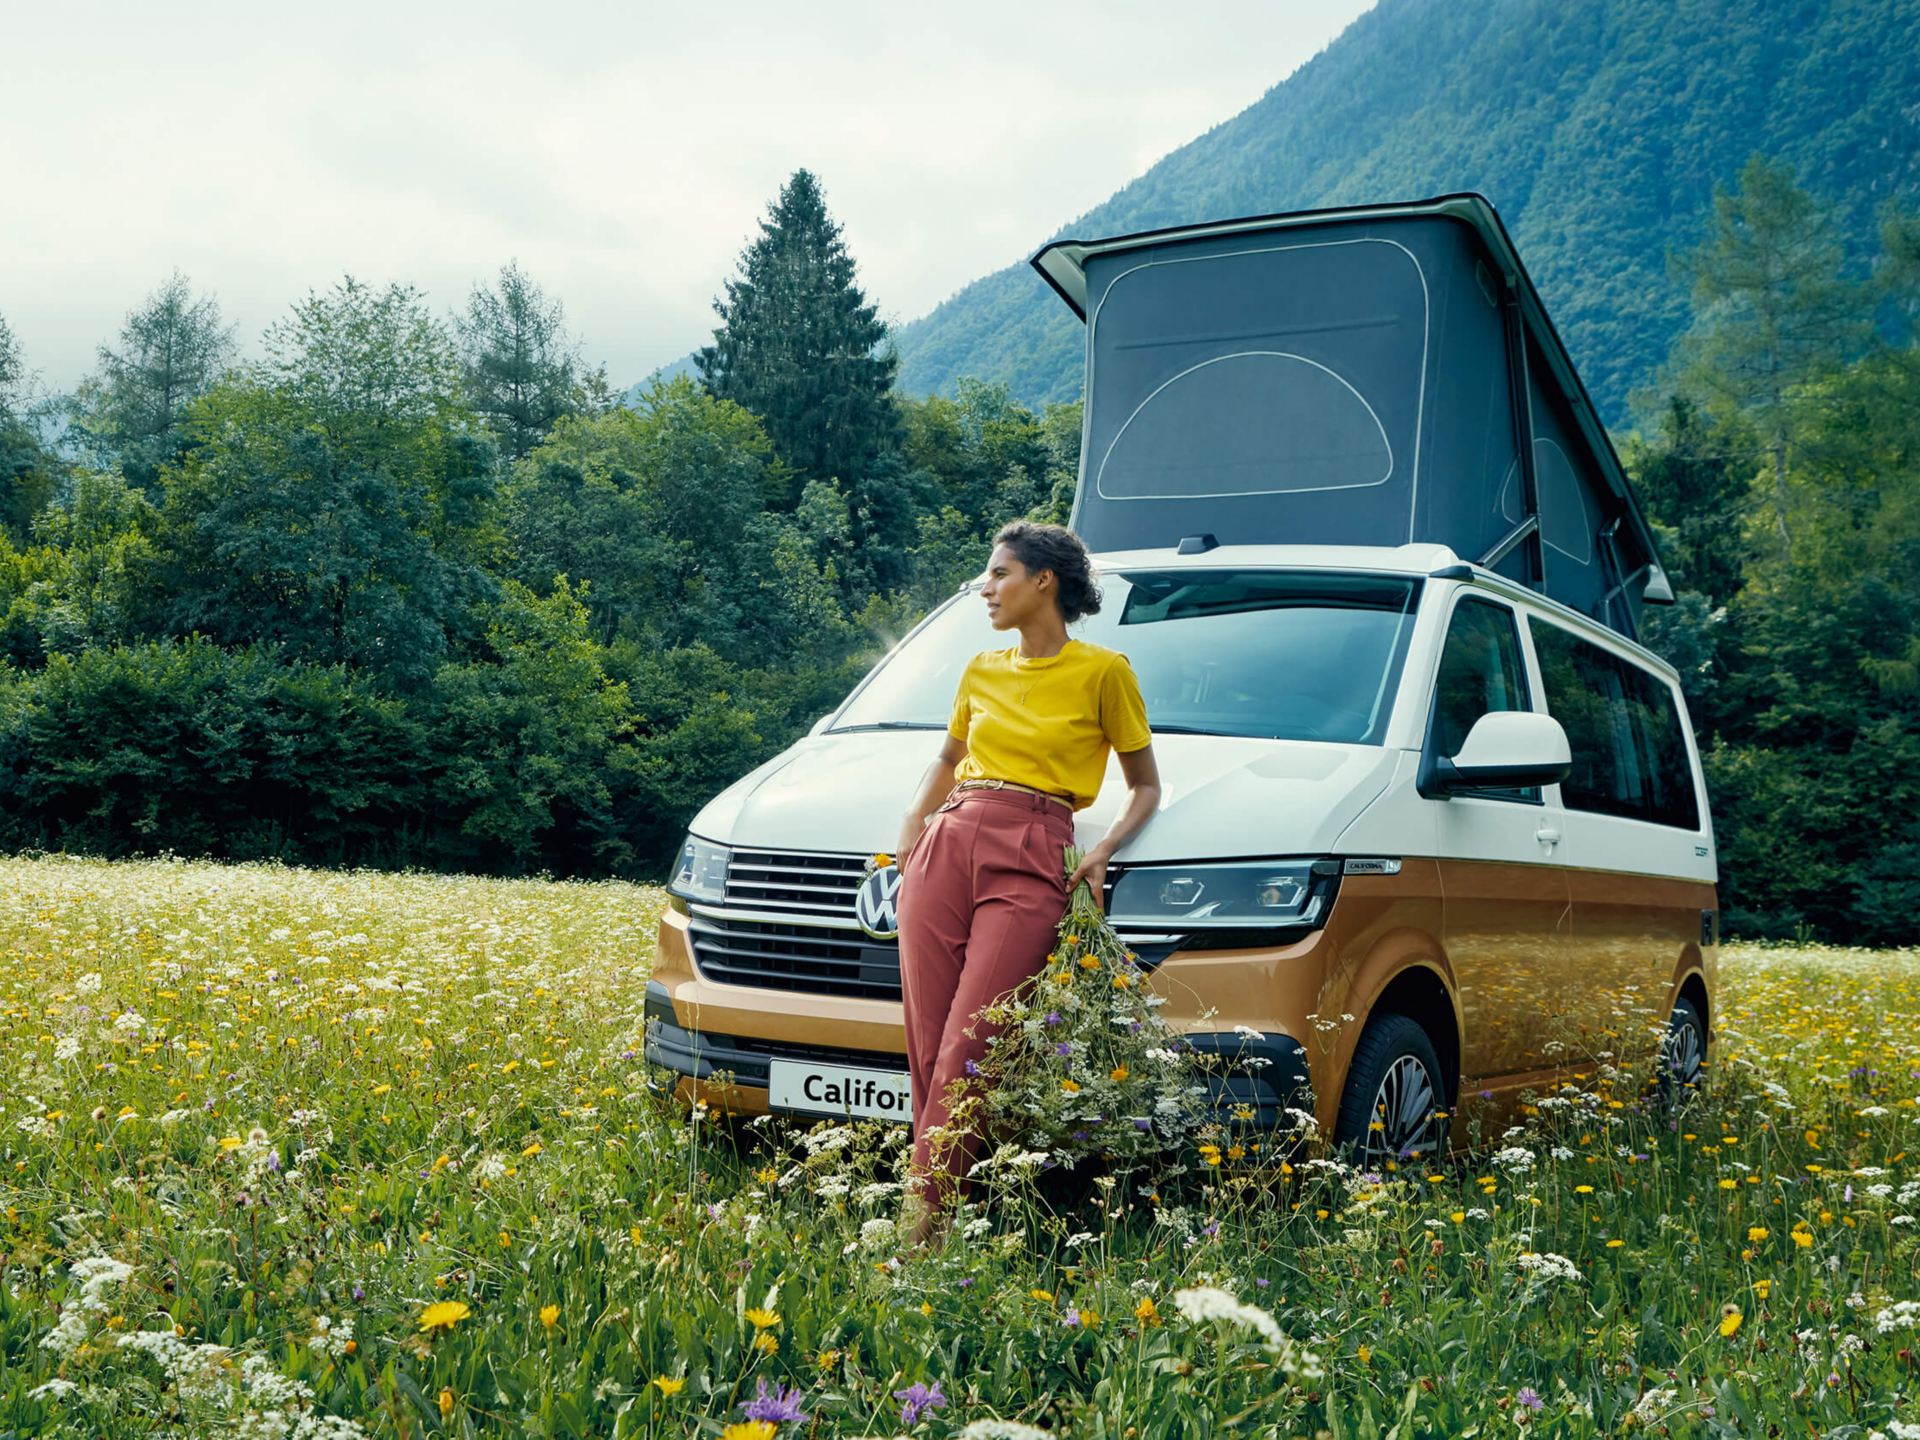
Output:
x=876 y=902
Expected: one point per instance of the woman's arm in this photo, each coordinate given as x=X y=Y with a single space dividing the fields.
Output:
x=1143 y=798
x=934 y=786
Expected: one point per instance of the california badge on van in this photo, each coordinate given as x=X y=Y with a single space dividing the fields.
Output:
x=1433 y=820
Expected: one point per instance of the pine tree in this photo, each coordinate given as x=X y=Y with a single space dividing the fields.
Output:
x=172 y=349
x=1772 y=312
x=800 y=346
x=520 y=367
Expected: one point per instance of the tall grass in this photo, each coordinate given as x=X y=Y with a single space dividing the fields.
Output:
x=288 y=1153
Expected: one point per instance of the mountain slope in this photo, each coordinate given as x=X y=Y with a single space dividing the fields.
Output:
x=1598 y=129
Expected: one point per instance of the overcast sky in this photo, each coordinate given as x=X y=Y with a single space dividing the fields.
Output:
x=622 y=152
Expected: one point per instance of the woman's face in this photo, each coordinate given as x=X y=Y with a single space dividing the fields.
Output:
x=1014 y=594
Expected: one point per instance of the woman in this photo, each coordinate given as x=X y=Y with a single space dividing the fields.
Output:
x=983 y=882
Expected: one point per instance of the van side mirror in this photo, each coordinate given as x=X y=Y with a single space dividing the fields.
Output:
x=1505 y=750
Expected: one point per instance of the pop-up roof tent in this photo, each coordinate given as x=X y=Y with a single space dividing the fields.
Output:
x=1348 y=376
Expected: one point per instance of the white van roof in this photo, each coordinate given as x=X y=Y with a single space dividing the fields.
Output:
x=1415 y=560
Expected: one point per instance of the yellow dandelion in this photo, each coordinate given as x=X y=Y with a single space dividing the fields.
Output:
x=549 y=1315
x=826 y=1359
x=1615 y=1244
x=1044 y=1296
x=446 y=1402
x=1729 y=1185
x=1762 y=1288
x=881 y=861
x=1459 y=1217
x=1803 y=1238
x=534 y=1149
x=443 y=1315
x=1070 y=1086
x=1123 y=982
x=669 y=1385
x=1583 y=1189
x=1756 y=1233
x=748 y=1430
x=766 y=1342
x=1730 y=1318
x=1146 y=1312
x=1119 y=1072
x=766 y=1174
x=1089 y=962
x=762 y=1319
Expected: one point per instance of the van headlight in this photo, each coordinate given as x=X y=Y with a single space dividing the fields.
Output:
x=701 y=871
x=1239 y=894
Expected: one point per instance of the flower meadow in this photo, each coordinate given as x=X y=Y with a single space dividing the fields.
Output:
x=287 y=1153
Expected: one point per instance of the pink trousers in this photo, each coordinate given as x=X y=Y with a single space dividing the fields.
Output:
x=980 y=902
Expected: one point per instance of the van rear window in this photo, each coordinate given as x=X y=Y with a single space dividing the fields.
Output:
x=1629 y=755
x=1287 y=655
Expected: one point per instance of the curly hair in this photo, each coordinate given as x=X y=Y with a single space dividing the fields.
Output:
x=1055 y=548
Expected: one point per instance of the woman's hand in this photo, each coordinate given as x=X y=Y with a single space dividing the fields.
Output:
x=911 y=829
x=1093 y=870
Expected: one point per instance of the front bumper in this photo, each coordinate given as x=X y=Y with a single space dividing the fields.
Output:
x=1260 y=1078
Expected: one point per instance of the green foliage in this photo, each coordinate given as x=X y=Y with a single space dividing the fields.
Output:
x=1790 y=496
x=1599 y=130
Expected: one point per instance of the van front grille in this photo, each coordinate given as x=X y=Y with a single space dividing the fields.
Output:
x=809 y=958
x=799 y=881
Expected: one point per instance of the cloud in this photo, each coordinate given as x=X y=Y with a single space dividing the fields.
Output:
x=622 y=153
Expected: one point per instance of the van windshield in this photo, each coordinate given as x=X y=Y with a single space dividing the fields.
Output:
x=1284 y=655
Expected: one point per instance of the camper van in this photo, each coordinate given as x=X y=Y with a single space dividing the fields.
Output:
x=1433 y=821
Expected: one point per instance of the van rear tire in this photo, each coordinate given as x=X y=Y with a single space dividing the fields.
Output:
x=1395 y=1080
x=1683 y=1058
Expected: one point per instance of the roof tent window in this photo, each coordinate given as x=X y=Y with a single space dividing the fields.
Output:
x=1566 y=515
x=1258 y=369
x=1285 y=423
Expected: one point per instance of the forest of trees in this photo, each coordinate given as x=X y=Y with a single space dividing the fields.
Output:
x=411 y=589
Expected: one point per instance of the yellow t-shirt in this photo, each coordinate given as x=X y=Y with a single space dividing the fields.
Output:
x=1048 y=722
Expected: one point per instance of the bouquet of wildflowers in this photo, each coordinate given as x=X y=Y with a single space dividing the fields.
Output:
x=1083 y=1065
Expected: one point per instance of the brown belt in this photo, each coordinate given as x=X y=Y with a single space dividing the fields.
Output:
x=1012 y=785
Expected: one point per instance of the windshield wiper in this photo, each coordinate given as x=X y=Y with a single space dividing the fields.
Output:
x=891 y=725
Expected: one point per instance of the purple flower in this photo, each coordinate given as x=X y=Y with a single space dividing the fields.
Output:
x=917 y=1399
x=1065 y=1047
x=1847 y=1198
x=781 y=1405
x=1211 y=1228
x=1071 y=1318
x=1079 y=1134
x=973 y=1067
x=1527 y=1398
x=964 y=1281
x=1053 y=1017
x=358 y=1293
x=1140 y=1122
x=1486 y=1094
x=273 y=1160
x=1262 y=1281
x=713 y=1210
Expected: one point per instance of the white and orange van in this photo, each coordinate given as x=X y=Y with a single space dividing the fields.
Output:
x=1433 y=821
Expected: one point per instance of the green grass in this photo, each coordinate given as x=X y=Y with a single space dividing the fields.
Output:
x=280 y=1097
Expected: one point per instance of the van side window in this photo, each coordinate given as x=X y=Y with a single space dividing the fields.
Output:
x=1629 y=755
x=1481 y=672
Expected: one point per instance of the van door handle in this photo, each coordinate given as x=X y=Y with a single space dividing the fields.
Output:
x=1547 y=835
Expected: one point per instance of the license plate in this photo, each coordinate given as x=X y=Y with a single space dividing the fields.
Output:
x=821 y=1089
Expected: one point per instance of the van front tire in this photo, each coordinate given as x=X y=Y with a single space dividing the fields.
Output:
x=1394 y=1082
